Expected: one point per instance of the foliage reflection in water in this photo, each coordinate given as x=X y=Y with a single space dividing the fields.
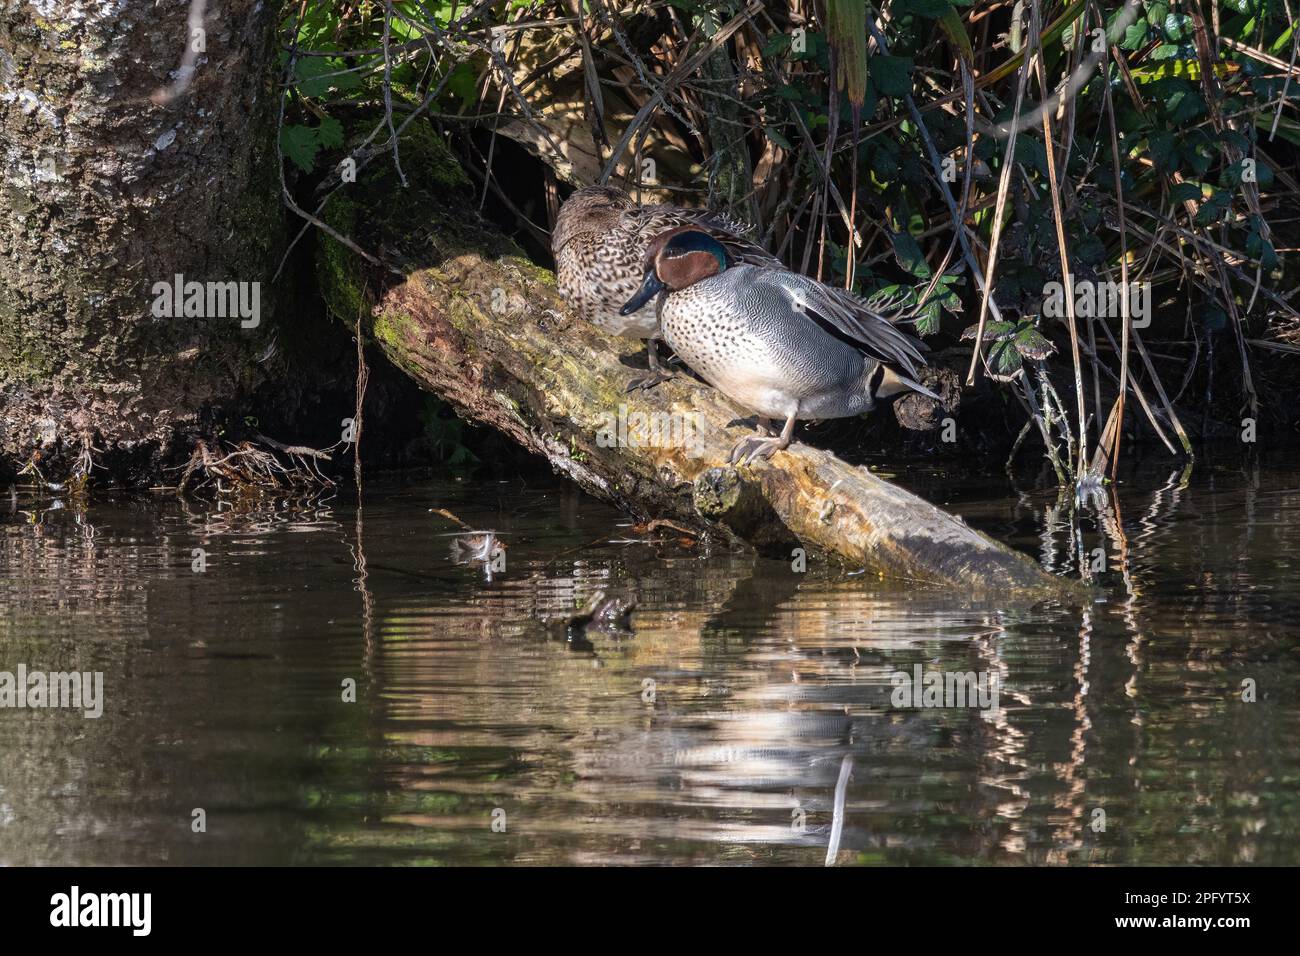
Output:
x=742 y=707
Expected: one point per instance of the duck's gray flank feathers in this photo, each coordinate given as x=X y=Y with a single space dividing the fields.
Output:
x=777 y=343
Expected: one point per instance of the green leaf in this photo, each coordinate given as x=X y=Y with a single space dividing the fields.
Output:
x=1178 y=26
x=1283 y=41
x=892 y=74
x=994 y=330
x=1033 y=344
x=1263 y=175
x=1164 y=151
x=783 y=43
x=1134 y=36
x=869 y=103
x=946 y=295
x=1185 y=192
x=1198 y=152
x=951 y=24
x=927 y=319
x=777 y=43
x=909 y=255
x=846 y=31
x=1088 y=250
x=317 y=75
x=1232 y=138
x=1213 y=209
x=330 y=133
x=1031 y=152
x=775 y=136
x=1004 y=359
x=1185 y=106
x=463 y=82
x=299 y=144
x=883 y=160
x=1257 y=247
x=307 y=72
x=889 y=298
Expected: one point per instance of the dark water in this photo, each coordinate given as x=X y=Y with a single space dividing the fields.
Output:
x=715 y=732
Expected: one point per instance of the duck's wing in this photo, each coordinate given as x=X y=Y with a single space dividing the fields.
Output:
x=650 y=221
x=846 y=316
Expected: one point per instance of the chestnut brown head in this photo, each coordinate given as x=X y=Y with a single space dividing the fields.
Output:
x=676 y=260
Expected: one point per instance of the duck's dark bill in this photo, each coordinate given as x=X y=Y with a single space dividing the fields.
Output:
x=650 y=287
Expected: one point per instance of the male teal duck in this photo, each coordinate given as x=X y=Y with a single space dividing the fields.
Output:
x=776 y=342
x=600 y=241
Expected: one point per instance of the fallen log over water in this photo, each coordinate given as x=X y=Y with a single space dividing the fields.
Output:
x=473 y=321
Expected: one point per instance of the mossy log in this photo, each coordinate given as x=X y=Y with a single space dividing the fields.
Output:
x=474 y=321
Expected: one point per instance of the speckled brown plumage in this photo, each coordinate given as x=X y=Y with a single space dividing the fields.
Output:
x=600 y=242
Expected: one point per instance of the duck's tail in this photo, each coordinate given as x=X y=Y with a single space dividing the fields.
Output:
x=892 y=382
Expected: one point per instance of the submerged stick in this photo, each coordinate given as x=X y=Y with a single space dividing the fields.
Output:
x=837 y=810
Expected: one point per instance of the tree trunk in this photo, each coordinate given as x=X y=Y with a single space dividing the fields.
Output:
x=119 y=175
x=476 y=323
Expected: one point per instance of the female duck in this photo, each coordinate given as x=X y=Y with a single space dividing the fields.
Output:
x=776 y=342
x=600 y=241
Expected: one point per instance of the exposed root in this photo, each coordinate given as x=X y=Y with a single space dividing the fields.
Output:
x=78 y=477
x=247 y=469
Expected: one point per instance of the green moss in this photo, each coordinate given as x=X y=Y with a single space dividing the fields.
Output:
x=463 y=312
x=389 y=328
x=338 y=269
x=428 y=164
x=435 y=163
x=530 y=271
x=27 y=359
x=378 y=211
